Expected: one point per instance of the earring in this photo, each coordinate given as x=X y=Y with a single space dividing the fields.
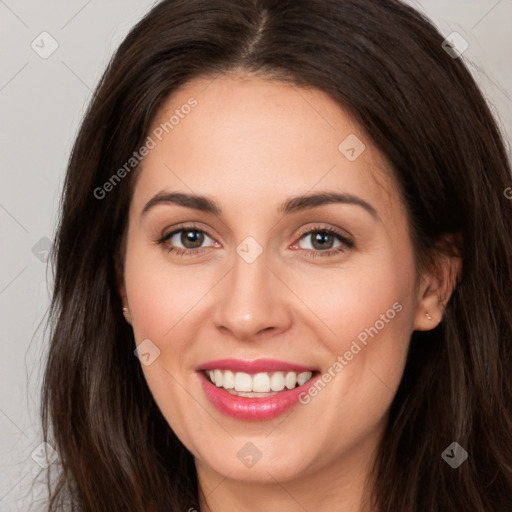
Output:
x=427 y=314
x=127 y=316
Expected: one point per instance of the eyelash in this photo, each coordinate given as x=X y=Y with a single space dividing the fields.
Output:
x=347 y=243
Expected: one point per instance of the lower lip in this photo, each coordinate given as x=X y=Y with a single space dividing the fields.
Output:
x=246 y=408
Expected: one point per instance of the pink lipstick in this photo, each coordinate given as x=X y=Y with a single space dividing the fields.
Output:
x=246 y=403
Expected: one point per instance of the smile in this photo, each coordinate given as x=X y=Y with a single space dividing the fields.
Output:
x=255 y=394
x=246 y=384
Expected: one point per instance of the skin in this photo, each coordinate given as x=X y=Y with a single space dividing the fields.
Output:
x=250 y=144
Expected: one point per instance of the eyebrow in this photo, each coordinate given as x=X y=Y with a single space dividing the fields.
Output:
x=291 y=205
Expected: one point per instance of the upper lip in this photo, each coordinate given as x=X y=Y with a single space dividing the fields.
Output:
x=255 y=366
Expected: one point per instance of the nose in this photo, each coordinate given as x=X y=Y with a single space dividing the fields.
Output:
x=252 y=301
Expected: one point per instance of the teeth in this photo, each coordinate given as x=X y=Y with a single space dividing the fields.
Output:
x=302 y=378
x=277 y=381
x=263 y=382
x=243 y=381
x=228 y=381
x=219 y=377
x=290 y=380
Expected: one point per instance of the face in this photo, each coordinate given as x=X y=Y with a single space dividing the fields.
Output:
x=323 y=288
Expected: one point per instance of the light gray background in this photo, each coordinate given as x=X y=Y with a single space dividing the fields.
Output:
x=42 y=102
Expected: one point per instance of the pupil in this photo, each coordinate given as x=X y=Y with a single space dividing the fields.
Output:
x=323 y=238
x=193 y=237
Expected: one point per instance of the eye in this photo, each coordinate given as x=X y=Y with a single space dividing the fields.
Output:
x=190 y=237
x=323 y=240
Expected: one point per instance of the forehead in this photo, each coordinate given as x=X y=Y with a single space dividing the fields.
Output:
x=246 y=139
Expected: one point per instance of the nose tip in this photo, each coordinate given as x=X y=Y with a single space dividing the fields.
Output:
x=250 y=302
x=244 y=330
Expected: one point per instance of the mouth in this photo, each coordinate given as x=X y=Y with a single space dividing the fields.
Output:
x=257 y=385
x=258 y=395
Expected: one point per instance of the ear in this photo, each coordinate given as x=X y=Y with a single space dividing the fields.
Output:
x=437 y=286
x=119 y=270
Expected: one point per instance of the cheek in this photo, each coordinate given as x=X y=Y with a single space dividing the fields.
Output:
x=347 y=301
x=364 y=316
x=160 y=294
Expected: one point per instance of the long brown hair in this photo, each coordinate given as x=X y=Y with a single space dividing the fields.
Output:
x=385 y=63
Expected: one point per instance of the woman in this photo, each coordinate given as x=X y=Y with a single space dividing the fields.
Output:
x=283 y=270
